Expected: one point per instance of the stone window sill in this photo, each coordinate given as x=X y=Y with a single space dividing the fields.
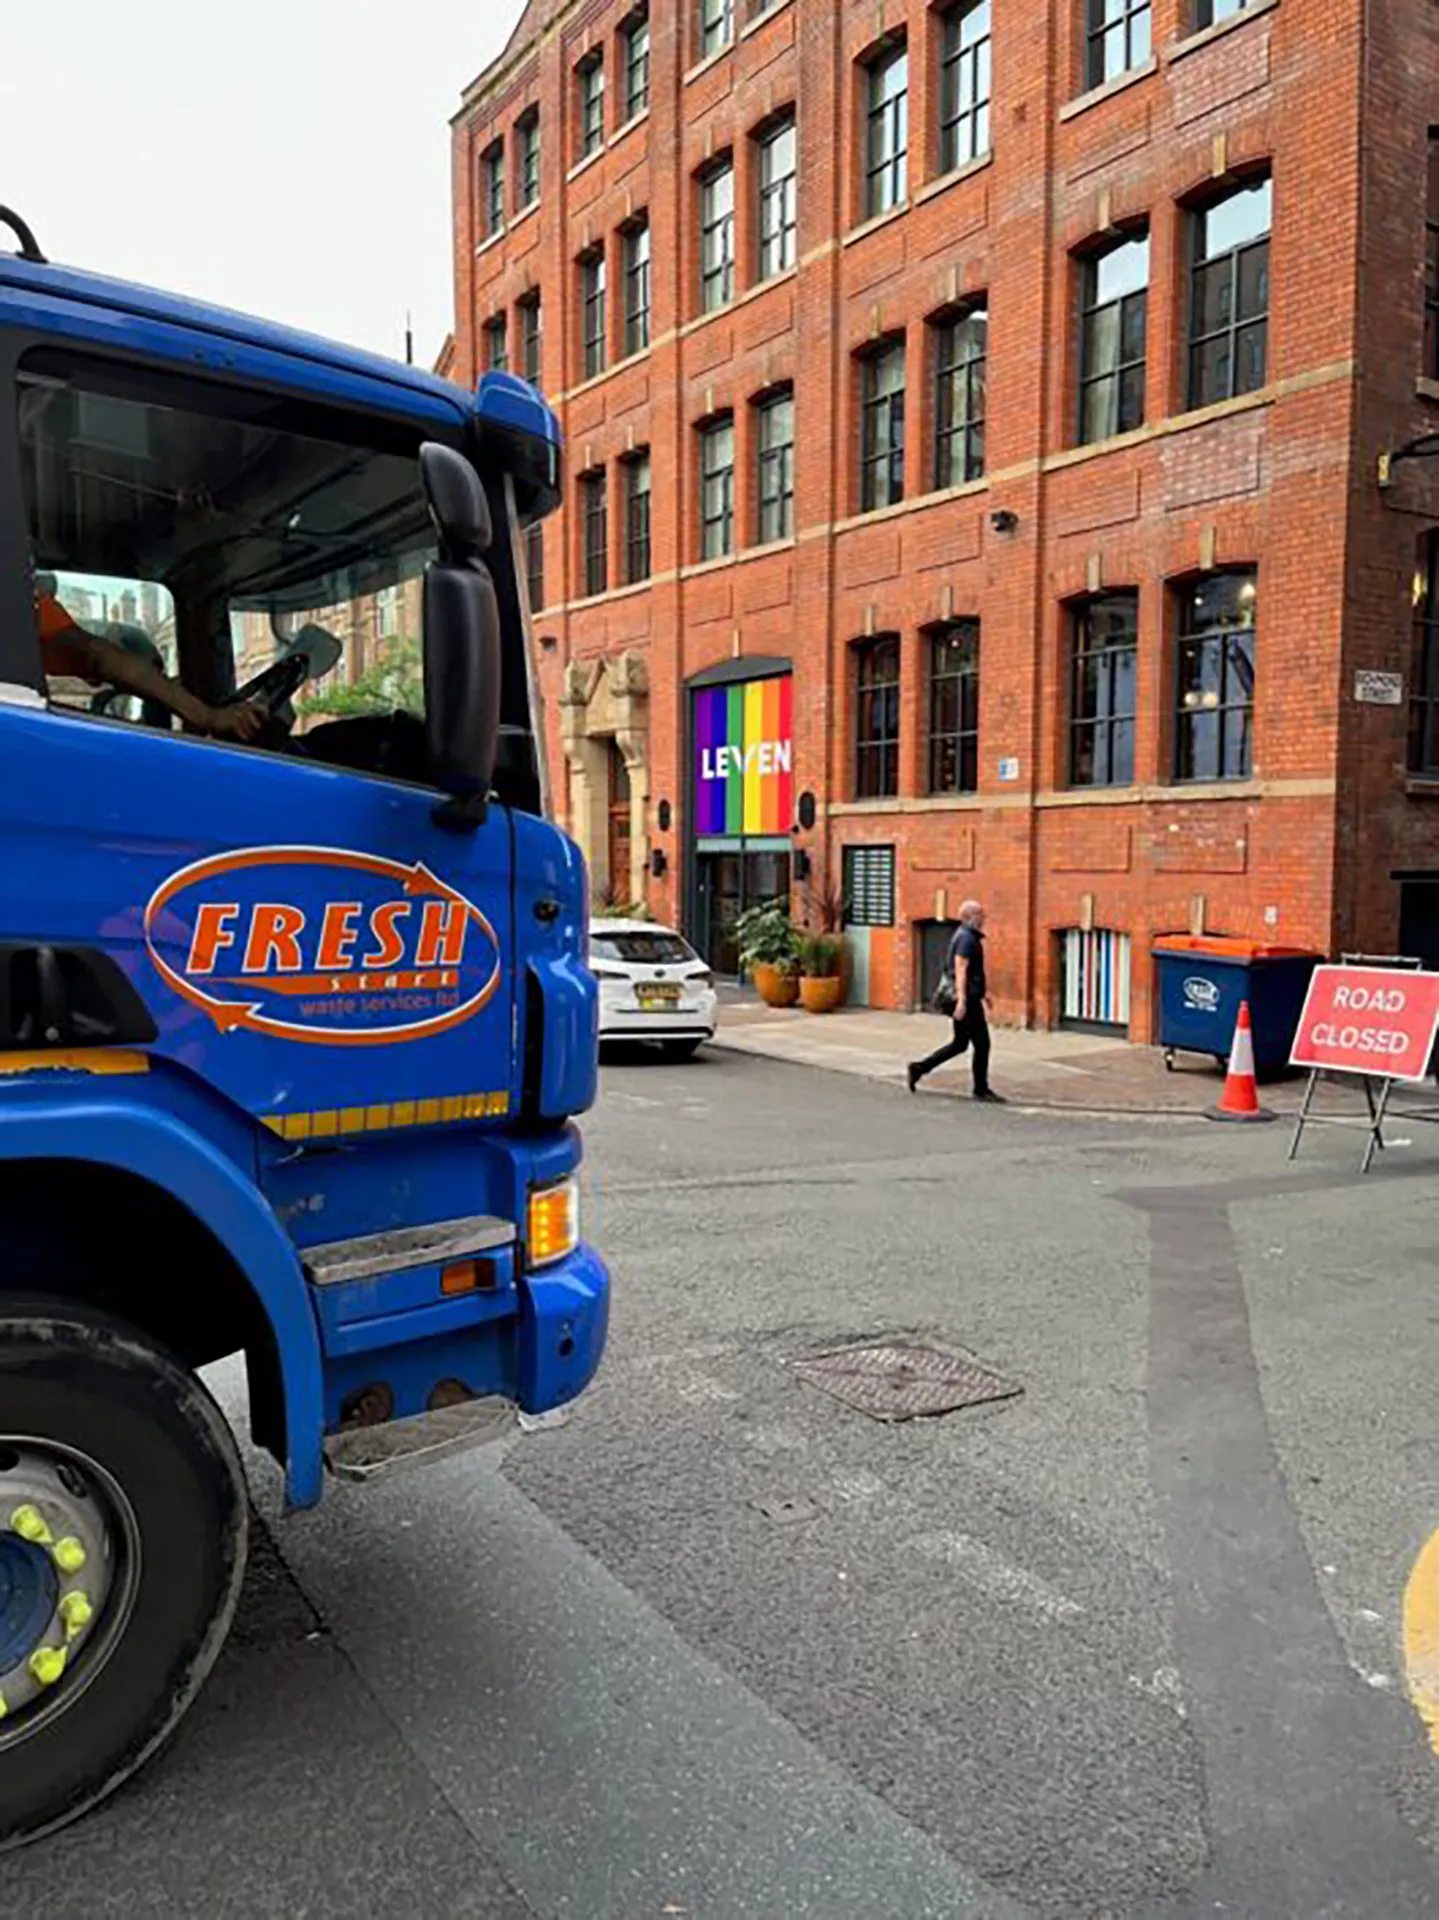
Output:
x=1121 y=83
x=1196 y=42
x=584 y=165
x=624 y=132
x=702 y=67
x=761 y=20
x=945 y=181
x=874 y=223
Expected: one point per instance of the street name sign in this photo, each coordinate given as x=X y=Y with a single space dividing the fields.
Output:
x=1375 y=689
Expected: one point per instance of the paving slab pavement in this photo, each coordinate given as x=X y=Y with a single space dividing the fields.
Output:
x=1079 y=1072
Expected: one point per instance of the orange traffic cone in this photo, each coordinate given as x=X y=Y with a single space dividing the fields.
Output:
x=1240 y=1098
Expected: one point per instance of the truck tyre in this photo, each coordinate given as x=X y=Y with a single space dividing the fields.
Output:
x=123 y=1530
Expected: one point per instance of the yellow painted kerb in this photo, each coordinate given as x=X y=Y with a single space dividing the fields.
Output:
x=1421 y=1637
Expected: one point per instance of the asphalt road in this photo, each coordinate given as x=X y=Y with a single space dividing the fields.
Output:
x=721 y=1646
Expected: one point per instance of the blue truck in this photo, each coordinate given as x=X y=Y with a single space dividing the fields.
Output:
x=295 y=1013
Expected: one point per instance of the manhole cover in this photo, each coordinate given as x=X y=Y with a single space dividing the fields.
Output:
x=903 y=1383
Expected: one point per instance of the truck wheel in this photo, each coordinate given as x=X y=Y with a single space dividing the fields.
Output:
x=123 y=1528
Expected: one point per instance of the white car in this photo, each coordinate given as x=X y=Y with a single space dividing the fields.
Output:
x=653 y=986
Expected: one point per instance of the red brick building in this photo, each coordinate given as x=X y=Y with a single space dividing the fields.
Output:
x=973 y=418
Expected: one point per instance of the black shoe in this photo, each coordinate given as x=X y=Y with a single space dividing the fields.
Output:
x=911 y=1073
x=990 y=1096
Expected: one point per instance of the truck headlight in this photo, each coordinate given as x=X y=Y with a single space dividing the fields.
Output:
x=554 y=1221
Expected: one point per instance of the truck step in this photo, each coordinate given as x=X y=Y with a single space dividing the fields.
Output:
x=370 y=1453
x=438 y=1243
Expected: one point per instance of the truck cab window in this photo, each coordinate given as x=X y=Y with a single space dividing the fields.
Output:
x=226 y=564
x=138 y=616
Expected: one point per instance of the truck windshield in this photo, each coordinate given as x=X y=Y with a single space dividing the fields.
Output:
x=205 y=529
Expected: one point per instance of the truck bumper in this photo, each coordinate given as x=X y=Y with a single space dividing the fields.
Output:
x=564 y=1318
x=539 y=1356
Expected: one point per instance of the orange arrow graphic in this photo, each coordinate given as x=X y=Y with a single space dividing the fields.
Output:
x=227 y=1015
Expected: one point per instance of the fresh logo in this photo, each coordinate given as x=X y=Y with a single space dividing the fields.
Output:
x=1201 y=995
x=321 y=945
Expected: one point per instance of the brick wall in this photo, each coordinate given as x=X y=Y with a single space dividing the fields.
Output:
x=1279 y=479
x=1388 y=822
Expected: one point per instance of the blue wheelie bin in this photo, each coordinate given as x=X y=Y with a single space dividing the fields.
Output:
x=1203 y=978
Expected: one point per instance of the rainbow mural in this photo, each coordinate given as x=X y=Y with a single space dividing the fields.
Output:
x=744 y=757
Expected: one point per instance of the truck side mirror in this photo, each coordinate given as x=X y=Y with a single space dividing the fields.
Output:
x=462 y=638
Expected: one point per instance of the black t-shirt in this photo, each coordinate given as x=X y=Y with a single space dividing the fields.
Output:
x=968 y=944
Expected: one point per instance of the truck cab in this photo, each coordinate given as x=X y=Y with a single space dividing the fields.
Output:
x=295 y=1015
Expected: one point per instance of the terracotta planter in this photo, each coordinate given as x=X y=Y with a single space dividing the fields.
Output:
x=775 y=987
x=820 y=996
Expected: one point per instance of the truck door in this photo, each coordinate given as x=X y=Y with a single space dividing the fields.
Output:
x=274 y=880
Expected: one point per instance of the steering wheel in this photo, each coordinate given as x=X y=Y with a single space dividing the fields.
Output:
x=272 y=688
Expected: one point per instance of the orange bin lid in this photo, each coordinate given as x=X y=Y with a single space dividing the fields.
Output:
x=1222 y=947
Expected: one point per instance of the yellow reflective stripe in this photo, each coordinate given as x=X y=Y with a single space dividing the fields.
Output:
x=385 y=1117
x=76 y=1060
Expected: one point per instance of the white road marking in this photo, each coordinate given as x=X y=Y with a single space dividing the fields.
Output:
x=770 y=1438
x=700 y=1388
x=857 y=1485
x=984 y=1567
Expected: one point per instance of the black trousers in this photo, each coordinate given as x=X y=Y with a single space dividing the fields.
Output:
x=971 y=1031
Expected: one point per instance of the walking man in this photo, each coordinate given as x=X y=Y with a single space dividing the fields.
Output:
x=971 y=997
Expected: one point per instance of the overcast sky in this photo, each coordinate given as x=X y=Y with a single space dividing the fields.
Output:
x=287 y=157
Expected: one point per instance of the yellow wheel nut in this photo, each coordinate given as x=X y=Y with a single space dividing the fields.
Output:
x=47 y=1664
x=29 y=1523
x=68 y=1554
x=76 y=1613
x=4 y=1709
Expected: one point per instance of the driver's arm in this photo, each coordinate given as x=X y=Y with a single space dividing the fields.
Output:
x=132 y=674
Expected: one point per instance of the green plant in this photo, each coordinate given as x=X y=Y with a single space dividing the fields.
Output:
x=826 y=907
x=766 y=937
x=820 y=955
x=612 y=905
x=394 y=684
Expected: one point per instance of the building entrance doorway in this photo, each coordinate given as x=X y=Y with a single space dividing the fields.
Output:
x=1419 y=919
x=729 y=877
x=620 y=830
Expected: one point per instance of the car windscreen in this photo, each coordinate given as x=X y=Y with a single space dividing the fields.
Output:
x=642 y=948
